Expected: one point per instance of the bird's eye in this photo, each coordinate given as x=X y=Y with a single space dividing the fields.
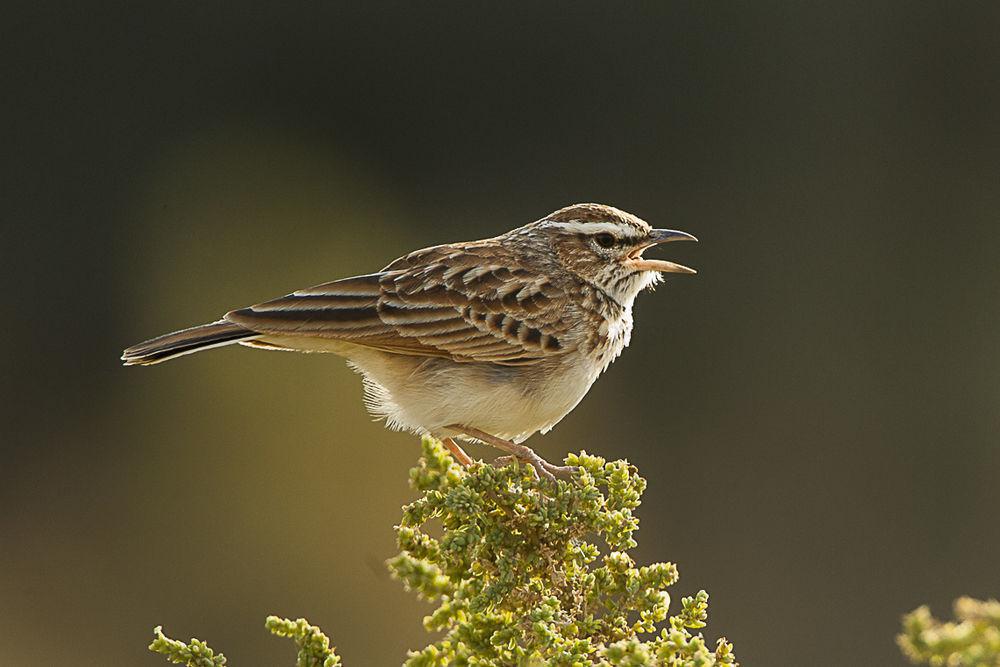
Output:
x=605 y=240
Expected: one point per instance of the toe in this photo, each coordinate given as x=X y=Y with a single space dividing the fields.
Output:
x=562 y=472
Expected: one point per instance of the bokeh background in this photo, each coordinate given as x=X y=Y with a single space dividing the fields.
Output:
x=817 y=411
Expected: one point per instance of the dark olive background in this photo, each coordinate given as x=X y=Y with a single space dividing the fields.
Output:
x=817 y=411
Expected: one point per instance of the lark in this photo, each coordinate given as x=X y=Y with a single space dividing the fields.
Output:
x=492 y=340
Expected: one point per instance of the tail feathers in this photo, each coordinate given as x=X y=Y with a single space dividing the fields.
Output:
x=179 y=343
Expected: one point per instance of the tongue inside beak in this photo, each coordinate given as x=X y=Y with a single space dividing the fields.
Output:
x=639 y=263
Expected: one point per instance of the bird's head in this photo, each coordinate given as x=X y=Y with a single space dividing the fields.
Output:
x=604 y=246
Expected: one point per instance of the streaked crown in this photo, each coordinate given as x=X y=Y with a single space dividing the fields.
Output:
x=599 y=213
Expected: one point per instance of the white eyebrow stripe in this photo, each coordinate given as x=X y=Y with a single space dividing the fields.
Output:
x=620 y=230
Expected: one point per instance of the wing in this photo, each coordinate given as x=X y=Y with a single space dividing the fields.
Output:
x=470 y=302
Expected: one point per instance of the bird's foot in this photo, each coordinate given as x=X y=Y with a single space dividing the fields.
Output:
x=518 y=452
x=562 y=472
x=539 y=466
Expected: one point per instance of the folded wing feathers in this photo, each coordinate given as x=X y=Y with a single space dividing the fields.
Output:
x=402 y=316
x=367 y=285
x=316 y=302
x=439 y=301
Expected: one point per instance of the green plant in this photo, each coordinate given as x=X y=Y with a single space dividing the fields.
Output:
x=517 y=581
x=527 y=571
x=195 y=654
x=314 y=646
x=972 y=640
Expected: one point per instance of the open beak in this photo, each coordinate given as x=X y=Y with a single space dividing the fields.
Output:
x=637 y=262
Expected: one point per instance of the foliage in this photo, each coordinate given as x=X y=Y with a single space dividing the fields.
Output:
x=972 y=640
x=314 y=646
x=195 y=654
x=517 y=581
x=518 y=578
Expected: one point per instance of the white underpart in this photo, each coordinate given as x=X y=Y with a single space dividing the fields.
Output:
x=647 y=280
x=428 y=394
x=619 y=330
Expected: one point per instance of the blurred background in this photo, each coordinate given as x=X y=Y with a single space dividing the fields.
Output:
x=817 y=411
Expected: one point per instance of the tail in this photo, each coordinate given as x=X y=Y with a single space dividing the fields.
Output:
x=179 y=343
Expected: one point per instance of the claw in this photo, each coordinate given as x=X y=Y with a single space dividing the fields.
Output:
x=562 y=472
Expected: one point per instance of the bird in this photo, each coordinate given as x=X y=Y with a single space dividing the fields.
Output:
x=491 y=340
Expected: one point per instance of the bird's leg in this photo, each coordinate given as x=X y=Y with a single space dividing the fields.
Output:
x=457 y=451
x=521 y=452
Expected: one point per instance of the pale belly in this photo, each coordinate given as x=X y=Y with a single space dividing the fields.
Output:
x=426 y=395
